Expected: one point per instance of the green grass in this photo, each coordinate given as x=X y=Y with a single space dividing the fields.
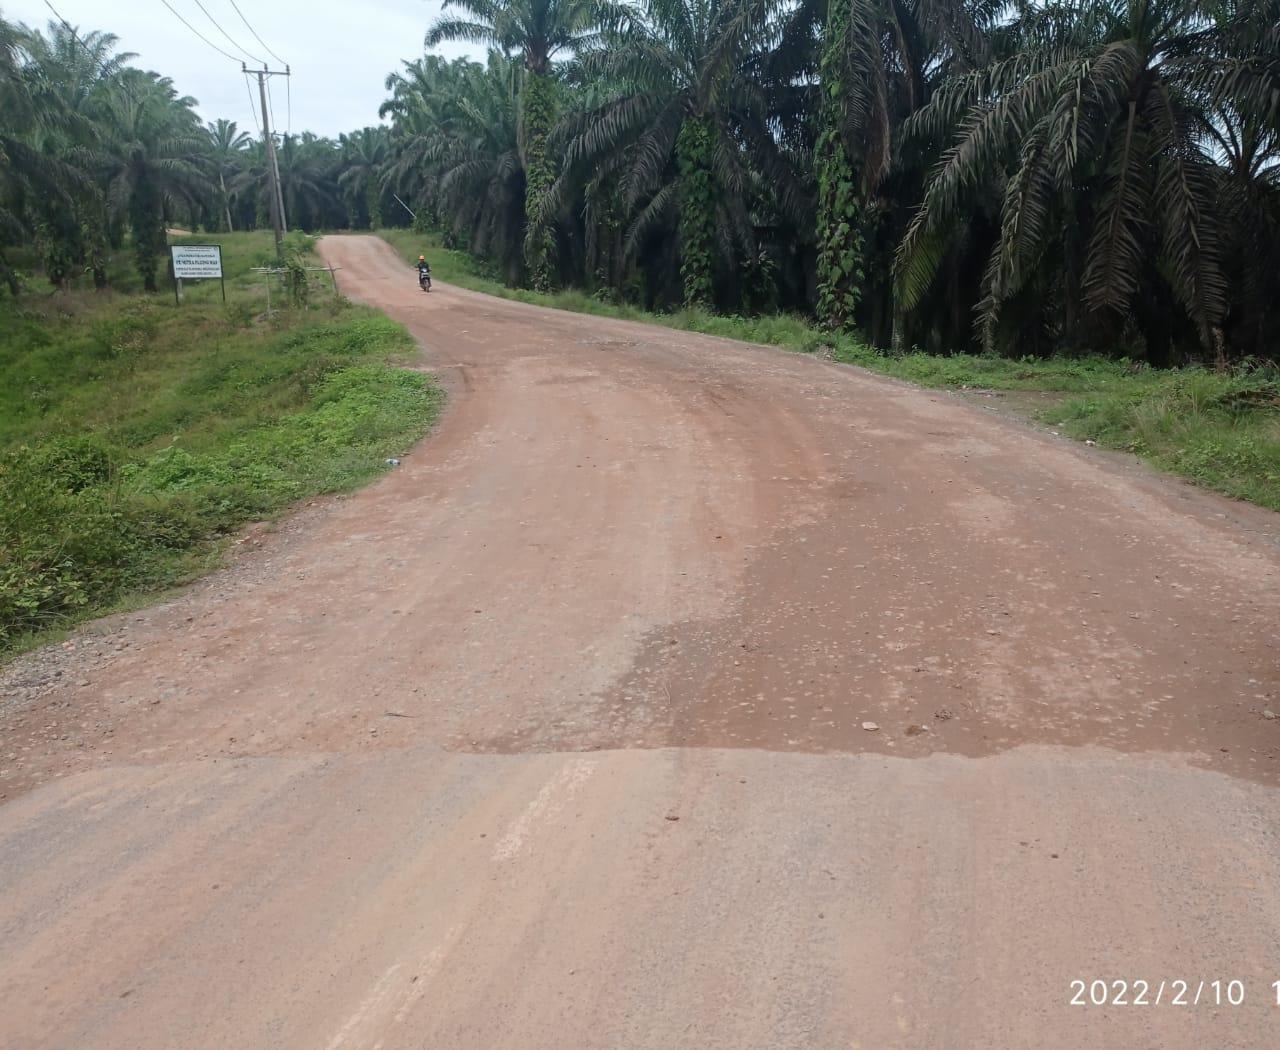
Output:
x=1221 y=431
x=136 y=434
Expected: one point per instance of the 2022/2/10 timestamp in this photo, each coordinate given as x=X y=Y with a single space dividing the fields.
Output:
x=1169 y=992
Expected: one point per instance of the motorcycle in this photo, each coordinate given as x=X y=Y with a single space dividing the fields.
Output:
x=424 y=280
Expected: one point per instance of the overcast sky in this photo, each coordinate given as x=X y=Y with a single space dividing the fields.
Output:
x=339 y=51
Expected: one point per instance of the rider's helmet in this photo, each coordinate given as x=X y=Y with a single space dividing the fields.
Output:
x=422 y=258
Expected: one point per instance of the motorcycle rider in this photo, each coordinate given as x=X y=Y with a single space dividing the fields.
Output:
x=424 y=269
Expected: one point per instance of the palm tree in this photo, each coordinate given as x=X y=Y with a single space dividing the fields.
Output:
x=227 y=151
x=18 y=163
x=1248 y=194
x=1092 y=133
x=308 y=181
x=1237 y=57
x=309 y=167
x=75 y=67
x=73 y=76
x=679 y=103
x=480 y=180
x=1237 y=61
x=457 y=135
x=878 y=64
x=426 y=104
x=153 y=152
x=537 y=31
x=364 y=155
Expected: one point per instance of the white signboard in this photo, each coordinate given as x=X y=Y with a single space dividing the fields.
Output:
x=196 y=261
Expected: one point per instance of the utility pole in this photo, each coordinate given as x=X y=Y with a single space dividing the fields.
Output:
x=275 y=193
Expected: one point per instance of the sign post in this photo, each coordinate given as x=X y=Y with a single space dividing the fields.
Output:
x=197 y=262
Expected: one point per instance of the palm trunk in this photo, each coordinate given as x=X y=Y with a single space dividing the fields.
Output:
x=62 y=240
x=697 y=210
x=226 y=201
x=879 y=330
x=9 y=276
x=146 y=216
x=956 y=341
x=537 y=113
x=95 y=238
x=840 y=272
x=898 y=340
x=1219 y=338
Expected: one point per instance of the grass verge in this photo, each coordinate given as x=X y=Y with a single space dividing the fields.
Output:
x=1219 y=430
x=136 y=434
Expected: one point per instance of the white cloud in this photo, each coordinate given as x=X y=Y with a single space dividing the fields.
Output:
x=339 y=51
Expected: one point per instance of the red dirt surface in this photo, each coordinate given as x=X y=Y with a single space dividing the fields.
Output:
x=557 y=736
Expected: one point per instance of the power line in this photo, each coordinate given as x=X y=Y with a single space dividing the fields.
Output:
x=102 y=66
x=252 y=105
x=67 y=26
x=64 y=22
x=255 y=35
x=197 y=32
x=224 y=32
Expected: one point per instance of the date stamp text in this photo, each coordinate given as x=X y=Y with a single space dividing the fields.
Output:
x=1168 y=992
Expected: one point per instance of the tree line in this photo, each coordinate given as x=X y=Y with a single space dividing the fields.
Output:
x=97 y=156
x=1022 y=178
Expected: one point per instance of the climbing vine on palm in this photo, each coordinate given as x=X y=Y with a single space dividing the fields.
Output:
x=697 y=210
x=840 y=272
x=537 y=115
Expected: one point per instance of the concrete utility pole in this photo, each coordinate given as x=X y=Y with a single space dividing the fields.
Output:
x=275 y=194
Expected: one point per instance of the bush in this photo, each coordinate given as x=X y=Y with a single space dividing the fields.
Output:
x=66 y=464
x=78 y=530
x=69 y=538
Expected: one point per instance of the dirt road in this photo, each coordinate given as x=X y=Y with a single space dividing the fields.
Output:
x=558 y=736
